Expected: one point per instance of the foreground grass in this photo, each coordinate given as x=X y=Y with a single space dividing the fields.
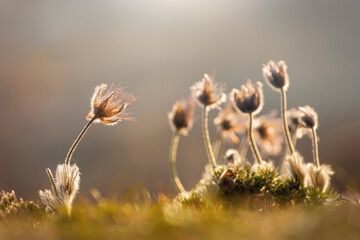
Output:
x=142 y=219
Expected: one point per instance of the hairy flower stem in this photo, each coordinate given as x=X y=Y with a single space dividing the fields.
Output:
x=217 y=145
x=73 y=147
x=208 y=146
x=48 y=171
x=252 y=141
x=173 y=150
x=315 y=148
x=285 y=123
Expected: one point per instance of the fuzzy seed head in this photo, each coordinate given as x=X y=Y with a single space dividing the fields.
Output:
x=319 y=177
x=181 y=116
x=293 y=118
x=208 y=93
x=296 y=167
x=249 y=99
x=308 y=118
x=276 y=75
x=67 y=182
x=110 y=107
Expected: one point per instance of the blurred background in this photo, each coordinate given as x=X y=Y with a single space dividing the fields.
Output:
x=53 y=54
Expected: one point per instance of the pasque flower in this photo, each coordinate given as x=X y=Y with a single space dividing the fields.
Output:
x=110 y=107
x=319 y=176
x=65 y=186
x=181 y=116
x=106 y=107
x=308 y=118
x=208 y=93
x=249 y=99
x=277 y=77
x=276 y=74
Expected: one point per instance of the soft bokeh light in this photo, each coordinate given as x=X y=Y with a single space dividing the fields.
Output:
x=53 y=54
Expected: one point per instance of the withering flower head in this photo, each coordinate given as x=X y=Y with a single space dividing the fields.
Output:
x=249 y=99
x=276 y=75
x=268 y=134
x=308 y=118
x=230 y=123
x=181 y=116
x=293 y=118
x=67 y=182
x=319 y=177
x=296 y=167
x=110 y=107
x=208 y=93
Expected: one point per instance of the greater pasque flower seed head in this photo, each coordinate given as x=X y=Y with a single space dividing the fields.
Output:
x=208 y=93
x=276 y=75
x=249 y=99
x=319 y=177
x=181 y=116
x=110 y=107
x=308 y=118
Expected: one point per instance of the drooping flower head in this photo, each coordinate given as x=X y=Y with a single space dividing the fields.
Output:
x=249 y=99
x=293 y=118
x=276 y=75
x=319 y=177
x=308 y=118
x=181 y=116
x=230 y=123
x=110 y=107
x=232 y=157
x=66 y=185
x=268 y=134
x=208 y=93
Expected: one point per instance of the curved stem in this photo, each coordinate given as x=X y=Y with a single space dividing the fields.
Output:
x=208 y=146
x=173 y=150
x=73 y=147
x=315 y=148
x=285 y=123
x=48 y=171
x=217 y=145
x=252 y=141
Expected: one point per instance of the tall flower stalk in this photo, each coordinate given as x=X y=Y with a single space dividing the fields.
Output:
x=249 y=100
x=108 y=108
x=277 y=77
x=181 y=120
x=309 y=119
x=209 y=95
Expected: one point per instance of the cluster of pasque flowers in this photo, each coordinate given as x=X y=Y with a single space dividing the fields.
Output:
x=107 y=107
x=239 y=117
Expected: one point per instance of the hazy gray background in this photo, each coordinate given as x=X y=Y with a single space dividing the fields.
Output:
x=53 y=54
